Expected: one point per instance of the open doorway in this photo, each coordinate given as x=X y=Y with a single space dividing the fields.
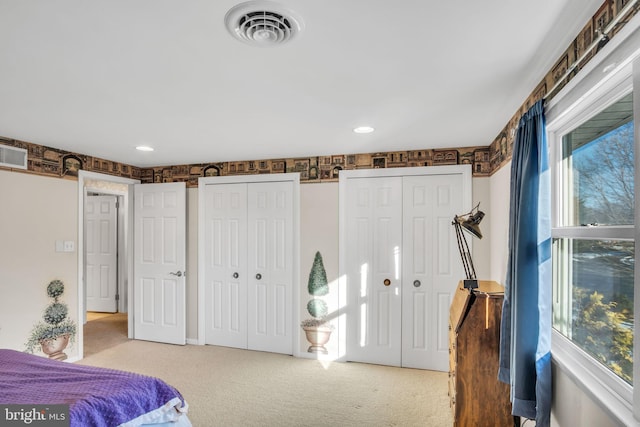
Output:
x=104 y=261
x=104 y=265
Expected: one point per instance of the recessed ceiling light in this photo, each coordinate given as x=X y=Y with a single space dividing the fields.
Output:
x=363 y=129
x=144 y=148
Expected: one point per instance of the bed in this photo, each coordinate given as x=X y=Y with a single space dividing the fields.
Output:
x=96 y=396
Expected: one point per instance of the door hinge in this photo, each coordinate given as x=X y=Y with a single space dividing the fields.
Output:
x=117 y=297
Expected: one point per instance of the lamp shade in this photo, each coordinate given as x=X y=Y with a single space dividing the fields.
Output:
x=472 y=224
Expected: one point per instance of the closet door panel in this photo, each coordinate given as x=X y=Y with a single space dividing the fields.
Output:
x=430 y=272
x=374 y=233
x=270 y=249
x=225 y=265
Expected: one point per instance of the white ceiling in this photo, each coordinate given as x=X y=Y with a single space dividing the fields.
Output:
x=101 y=77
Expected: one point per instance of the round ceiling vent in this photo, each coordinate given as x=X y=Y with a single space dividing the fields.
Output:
x=262 y=23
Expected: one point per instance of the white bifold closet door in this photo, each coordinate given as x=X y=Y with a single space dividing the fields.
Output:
x=248 y=265
x=401 y=268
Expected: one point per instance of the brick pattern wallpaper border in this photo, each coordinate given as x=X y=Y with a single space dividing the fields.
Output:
x=485 y=160
x=48 y=161
x=325 y=168
x=63 y=164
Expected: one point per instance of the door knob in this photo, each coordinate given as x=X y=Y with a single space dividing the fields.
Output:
x=387 y=282
x=177 y=273
x=416 y=283
x=258 y=276
x=235 y=275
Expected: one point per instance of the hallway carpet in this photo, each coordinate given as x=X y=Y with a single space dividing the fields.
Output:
x=105 y=331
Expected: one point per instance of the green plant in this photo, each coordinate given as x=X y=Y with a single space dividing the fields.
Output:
x=55 y=313
x=55 y=288
x=600 y=329
x=317 y=286
x=317 y=308
x=56 y=323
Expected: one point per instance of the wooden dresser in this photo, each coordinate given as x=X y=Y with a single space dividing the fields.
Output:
x=476 y=396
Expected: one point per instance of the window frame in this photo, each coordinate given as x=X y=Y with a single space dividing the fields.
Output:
x=613 y=394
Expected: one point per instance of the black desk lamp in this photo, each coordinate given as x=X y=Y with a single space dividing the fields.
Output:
x=469 y=222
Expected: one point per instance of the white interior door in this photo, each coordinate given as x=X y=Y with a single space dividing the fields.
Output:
x=396 y=231
x=430 y=270
x=101 y=249
x=247 y=274
x=374 y=236
x=225 y=270
x=159 y=262
x=270 y=266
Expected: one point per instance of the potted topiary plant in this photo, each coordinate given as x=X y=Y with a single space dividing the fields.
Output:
x=317 y=329
x=54 y=334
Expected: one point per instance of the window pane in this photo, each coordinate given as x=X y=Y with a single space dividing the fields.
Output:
x=598 y=163
x=596 y=313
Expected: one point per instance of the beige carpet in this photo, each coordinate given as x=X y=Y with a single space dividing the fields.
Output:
x=103 y=331
x=232 y=387
x=93 y=315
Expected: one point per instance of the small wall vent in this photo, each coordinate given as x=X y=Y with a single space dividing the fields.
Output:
x=13 y=157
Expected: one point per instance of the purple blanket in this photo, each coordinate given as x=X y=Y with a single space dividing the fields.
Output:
x=97 y=396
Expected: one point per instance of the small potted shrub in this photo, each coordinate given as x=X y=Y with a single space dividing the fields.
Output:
x=54 y=334
x=317 y=329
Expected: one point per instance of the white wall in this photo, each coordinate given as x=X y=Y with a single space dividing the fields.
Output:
x=36 y=211
x=192 y=265
x=481 y=249
x=318 y=232
x=572 y=407
x=499 y=222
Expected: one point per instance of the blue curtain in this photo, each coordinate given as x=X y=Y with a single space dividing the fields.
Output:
x=525 y=341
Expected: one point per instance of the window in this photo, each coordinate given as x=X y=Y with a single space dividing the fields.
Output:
x=593 y=245
x=594 y=153
x=592 y=147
